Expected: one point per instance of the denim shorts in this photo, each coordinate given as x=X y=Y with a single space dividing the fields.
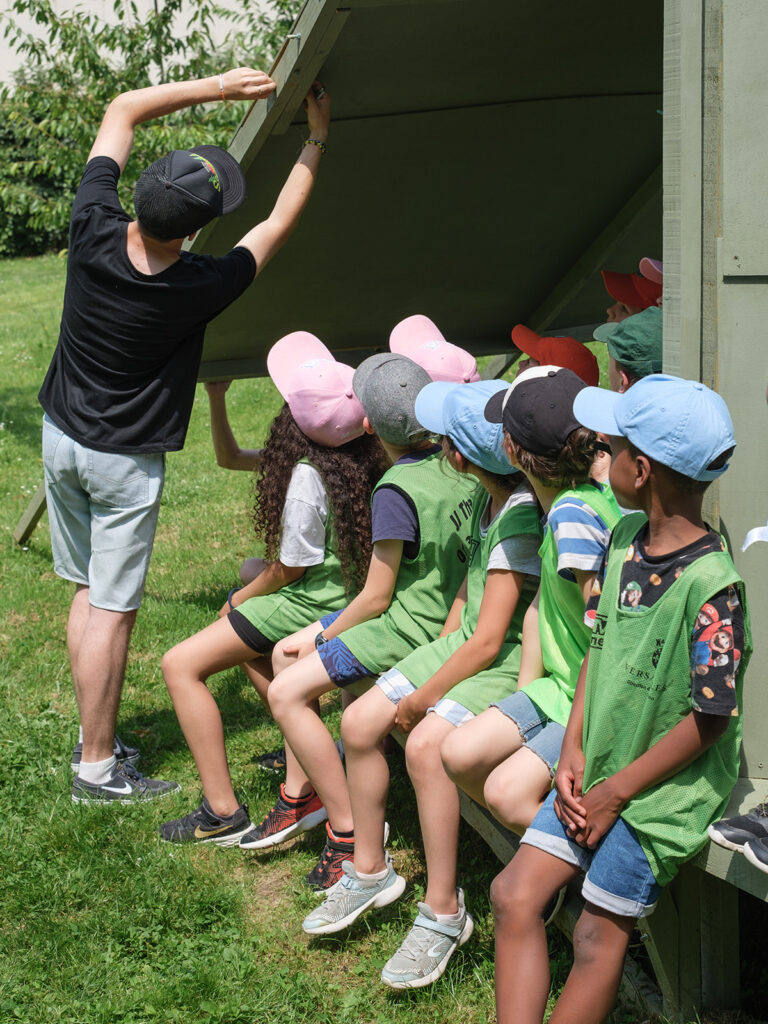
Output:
x=618 y=876
x=102 y=510
x=538 y=732
x=394 y=685
x=338 y=661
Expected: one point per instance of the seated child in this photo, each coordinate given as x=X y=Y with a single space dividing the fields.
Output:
x=421 y=510
x=632 y=294
x=635 y=347
x=505 y=758
x=652 y=746
x=475 y=660
x=317 y=474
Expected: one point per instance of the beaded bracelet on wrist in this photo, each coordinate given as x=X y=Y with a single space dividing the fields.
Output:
x=316 y=142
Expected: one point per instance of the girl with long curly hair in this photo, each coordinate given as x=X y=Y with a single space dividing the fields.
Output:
x=312 y=512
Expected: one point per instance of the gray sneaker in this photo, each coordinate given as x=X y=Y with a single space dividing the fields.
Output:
x=427 y=948
x=122 y=751
x=350 y=897
x=126 y=785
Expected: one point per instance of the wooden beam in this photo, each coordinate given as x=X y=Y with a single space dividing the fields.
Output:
x=31 y=516
x=596 y=255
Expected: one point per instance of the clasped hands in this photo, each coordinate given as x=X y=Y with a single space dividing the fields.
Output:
x=588 y=817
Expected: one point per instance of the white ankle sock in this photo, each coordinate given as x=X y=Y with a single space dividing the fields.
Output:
x=80 y=734
x=449 y=918
x=97 y=772
x=375 y=877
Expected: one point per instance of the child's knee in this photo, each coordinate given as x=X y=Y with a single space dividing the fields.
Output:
x=170 y=667
x=458 y=759
x=499 y=798
x=361 y=728
x=510 y=898
x=280 y=659
x=422 y=753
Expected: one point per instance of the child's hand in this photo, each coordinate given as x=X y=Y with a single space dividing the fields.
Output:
x=568 y=781
x=410 y=711
x=217 y=387
x=298 y=650
x=602 y=805
x=318 y=106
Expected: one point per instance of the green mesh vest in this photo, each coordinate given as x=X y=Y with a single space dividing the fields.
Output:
x=318 y=591
x=563 y=633
x=427 y=584
x=500 y=678
x=520 y=519
x=639 y=687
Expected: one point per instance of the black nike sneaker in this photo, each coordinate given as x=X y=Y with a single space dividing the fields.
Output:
x=126 y=785
x=203 y=826
x=735 y=833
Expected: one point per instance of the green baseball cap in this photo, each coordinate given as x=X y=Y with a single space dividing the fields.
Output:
x=636 y=342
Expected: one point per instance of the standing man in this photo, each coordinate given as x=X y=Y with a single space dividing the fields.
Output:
x=118 y=393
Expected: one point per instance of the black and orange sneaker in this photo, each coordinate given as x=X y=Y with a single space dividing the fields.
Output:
x=328 y=871
x=288 y=818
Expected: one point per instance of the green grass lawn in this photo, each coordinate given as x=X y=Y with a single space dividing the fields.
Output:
x=102 y=923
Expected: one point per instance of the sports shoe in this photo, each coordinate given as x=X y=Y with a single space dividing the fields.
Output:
x=272 y=761
x=284 y=822
x=424 y=954
x=756 y=852
x=126 y=785
x=328 y=870
x=205 y=826
x=351 y=897
x=734 y=833
x=123 y=753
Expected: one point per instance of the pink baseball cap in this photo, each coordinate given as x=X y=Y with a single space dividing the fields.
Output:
x=420 y=340
x=317 y=388
x=652 y=269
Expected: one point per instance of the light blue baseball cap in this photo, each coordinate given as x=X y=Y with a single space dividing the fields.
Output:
x=458 y=411
x=680 y=423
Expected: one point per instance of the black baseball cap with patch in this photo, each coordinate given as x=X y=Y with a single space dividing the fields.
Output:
x=537 y=408
x=184 y=190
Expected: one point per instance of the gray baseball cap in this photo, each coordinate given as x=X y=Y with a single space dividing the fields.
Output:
x=387 y=385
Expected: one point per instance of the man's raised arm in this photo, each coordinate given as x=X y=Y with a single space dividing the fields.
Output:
x=115 y=137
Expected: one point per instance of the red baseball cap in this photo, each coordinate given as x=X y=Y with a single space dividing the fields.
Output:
x=565 y=352
x=632 y=289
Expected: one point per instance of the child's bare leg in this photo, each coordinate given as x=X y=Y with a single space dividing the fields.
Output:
x=186 y=667
x=519 y=895
x=472 y=752
x=438 y=802
x=363 y=725
x=600 y=942
x=259 y=671
x=296 y=782
x=291 y=696
x=515 y=790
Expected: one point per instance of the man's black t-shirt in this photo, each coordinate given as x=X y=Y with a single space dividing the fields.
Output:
x=122 y=378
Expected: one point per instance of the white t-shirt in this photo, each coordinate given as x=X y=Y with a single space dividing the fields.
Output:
x=302 y=530
x=518 y=554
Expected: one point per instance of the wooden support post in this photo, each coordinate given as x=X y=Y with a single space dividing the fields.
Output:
x=31 y=516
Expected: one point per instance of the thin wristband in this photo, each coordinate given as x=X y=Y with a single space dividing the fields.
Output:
x=230 y=595
x=316 y=142
x=221 y=86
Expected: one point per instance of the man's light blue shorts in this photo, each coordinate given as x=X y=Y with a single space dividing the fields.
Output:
x=102 y=510
x=618 y=876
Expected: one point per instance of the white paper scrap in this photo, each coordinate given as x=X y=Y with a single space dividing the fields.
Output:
x=759 y=533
